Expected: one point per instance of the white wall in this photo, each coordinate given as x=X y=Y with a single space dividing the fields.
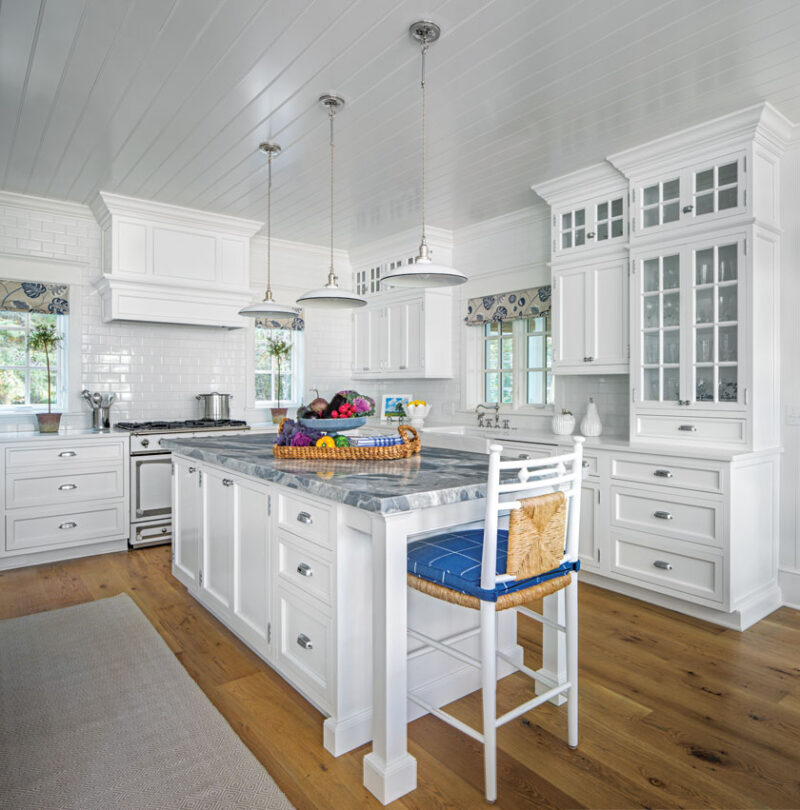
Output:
x=157 y=369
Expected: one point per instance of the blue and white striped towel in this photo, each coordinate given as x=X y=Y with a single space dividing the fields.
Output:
x=375 y=441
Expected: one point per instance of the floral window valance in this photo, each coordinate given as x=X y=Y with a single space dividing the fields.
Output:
x=293 y=322
x=531 y=303
x=34 y=296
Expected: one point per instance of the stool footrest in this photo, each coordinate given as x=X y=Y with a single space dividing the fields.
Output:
x=532 y=704
x=448 y=718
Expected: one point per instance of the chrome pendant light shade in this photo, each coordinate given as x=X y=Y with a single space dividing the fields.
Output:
x=331 y=296
x=424 y=272
x=269 y=308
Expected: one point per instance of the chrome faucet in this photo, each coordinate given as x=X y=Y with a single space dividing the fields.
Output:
x=481 y=416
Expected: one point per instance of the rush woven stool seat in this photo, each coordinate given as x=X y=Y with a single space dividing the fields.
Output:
x=491 y=569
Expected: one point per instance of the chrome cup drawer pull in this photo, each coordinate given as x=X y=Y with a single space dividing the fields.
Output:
x=67 y=487
x=67 y=454
x=304 y=517
x=689 y=428
x=663 y=564
x=305 y=570
x=227 y=482
x=662 y=474
x=662 y=515
x=68 y=525
x=305 y=642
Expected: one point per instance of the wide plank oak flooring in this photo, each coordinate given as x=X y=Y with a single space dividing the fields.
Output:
x=674 y=712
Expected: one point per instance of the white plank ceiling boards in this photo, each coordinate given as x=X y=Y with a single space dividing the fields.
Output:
x=169 y=99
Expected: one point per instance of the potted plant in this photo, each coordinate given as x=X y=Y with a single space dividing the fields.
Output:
x=281 y=350
x=45 y=339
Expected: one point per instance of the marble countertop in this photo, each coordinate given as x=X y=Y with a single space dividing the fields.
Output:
x=430 y=478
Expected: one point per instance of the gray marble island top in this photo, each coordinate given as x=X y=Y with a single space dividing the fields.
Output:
x=431 y=478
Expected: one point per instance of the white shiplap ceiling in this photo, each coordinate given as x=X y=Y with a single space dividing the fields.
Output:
x=168 y=99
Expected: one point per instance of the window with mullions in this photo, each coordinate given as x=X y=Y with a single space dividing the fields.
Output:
x=517 y=361
x=23 y=373
x=266 y=368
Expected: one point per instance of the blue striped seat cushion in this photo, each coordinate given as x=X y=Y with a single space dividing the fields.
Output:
x=453 y=560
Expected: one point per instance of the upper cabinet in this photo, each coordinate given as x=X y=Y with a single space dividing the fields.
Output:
x=404 y=335
x=707 y=176
x=166 y=264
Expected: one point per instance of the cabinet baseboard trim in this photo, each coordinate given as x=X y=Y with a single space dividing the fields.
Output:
x=59 y=554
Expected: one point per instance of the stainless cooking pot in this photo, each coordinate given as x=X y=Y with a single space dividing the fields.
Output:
x=216 y=405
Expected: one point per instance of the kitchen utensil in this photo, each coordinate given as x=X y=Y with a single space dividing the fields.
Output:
x=215 y=405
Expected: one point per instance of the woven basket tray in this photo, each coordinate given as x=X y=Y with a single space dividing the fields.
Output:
x=410 y=445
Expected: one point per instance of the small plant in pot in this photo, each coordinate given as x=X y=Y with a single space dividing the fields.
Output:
x=281 y=350
x=45 y=339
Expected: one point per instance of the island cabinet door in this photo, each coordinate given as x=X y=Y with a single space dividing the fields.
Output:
x=217 y=572
x=187 y=522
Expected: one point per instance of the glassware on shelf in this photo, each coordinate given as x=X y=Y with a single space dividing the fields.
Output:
x=704 y=345
x=672 y=384
x=728 y=384
x=704 y=306
x=728 y=303
x=651 y=391
x=672 y=309
x=704 y=385
x=728 y=349
x=651 y=348
x=672 y=346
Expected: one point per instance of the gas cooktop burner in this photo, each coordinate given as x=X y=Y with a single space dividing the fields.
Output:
x=188 y=424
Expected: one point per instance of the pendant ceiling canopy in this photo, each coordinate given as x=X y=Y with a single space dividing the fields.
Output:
x=424 y=272
x=331 y=296
x=268 y=308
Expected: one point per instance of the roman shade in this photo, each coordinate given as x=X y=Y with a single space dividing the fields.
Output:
x=533 y=302
x=293 y=322
x=34 y=296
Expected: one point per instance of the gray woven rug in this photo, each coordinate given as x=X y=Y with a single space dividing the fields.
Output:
x=97 y=713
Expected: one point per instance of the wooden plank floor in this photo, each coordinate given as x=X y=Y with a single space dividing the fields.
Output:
x=674 y=712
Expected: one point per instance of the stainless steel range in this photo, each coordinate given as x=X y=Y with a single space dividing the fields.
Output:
x=151 y=473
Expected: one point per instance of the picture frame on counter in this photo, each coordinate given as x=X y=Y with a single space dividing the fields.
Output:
x=392 y=405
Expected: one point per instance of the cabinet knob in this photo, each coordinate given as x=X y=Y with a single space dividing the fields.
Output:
x=305 y=570
x=68 y=525
x=663 y=564
x=585 y=464
x=304 y=517
x=662 y=474
x=227 y=482
x=305 y=642
x=687 y=209
x=67 y=454
x=145 y=442
x=688 y=428
x=192 y=469
x=67 y=487
x=662 y=515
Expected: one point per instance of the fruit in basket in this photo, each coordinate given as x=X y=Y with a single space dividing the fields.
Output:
x=326 y=441
x=342 y=441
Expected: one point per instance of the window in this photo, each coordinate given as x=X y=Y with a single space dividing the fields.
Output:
x=266 y=368
x=517 y=358
x=23 y=374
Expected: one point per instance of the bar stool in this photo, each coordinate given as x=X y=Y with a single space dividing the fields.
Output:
x=490 y=570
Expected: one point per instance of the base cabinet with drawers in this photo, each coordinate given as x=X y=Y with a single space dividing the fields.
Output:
x=63 y=497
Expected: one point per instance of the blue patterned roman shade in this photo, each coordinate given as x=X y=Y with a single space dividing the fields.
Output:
x=34 y=296
x=293 y=322
x=531 y=303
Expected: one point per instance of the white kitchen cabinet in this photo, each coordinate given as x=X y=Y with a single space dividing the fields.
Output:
x=187 y=521
x=217 y=549
x=62 y=497
x=590 y=318
x=404 y=335
x=590 y=531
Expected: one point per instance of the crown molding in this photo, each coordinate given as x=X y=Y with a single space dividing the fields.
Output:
x=105 y=205
x=46 y=205
x=304 y=247
x=524 y=217
x=592 y=181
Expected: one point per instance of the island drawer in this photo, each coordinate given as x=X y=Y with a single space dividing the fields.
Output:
x=64 y=455
x=668 y=514
x=669 y=473
x=303 y=566
x=32 y=529
x=305 y=636
x=38 y=489
x=668 y=567
x=305 y=517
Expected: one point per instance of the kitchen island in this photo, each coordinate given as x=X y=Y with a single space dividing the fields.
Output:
x=306 y=562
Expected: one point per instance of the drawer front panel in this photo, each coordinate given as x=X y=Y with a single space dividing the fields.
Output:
x=668 y=570
x=26 y=530
x=666 y=474
x=301 y=565
x=63 y=455
x=700 y=429
x=304 y=642
x=305 y=518
x=666 y=514
x=36 y=489
x=512 y=450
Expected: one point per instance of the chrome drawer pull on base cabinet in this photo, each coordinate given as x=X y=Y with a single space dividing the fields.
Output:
x=304 y=517
x=67 y=454
x=68 y=525
x=690 y=428
x=662 y=515
x=67 y=487
x=662 y=474
x=305 y=570
x=305 y=642
x=663 y=564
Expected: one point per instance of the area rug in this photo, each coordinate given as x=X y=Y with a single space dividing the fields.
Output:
x=97 y=713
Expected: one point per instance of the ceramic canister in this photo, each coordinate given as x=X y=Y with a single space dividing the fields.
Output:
x=591 y=424
x=563 y=423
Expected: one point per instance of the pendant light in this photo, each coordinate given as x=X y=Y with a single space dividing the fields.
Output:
x=331 y=296
x=268 y=308
x=424 y=272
